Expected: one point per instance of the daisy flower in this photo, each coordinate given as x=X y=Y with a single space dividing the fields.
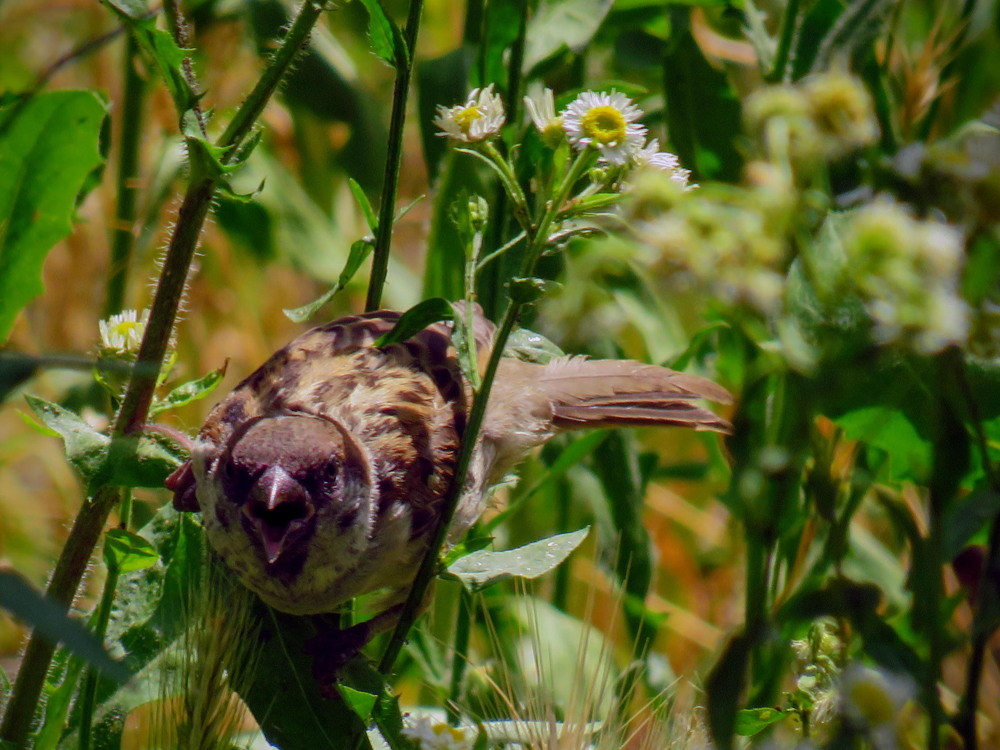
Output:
x=481 y=117
x=872 y=700
x=607 y=122
x=541 y=108
x=431 y=735
x=651 y=156
x=123 y=332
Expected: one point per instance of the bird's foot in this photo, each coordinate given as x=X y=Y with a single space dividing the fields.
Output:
x=332 y=647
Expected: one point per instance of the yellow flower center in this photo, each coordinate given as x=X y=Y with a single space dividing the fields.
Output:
x=467 y=117
x=604 y=124
x=122 y=329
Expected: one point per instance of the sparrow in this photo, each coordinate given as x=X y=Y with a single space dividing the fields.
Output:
x=321 y=476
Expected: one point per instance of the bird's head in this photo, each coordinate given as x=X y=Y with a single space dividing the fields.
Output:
x=282 y=474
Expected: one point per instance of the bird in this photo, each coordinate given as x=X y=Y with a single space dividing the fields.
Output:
x=322 y=475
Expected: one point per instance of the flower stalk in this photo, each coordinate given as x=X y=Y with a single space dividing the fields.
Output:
x=93 y=516
x=393 y=160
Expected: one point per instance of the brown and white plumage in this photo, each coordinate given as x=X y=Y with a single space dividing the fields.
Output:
x=321 y=475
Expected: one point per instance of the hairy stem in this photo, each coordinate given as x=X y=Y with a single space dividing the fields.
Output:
x=243 y=121
x=393 y=159
x=139 y=393
x=72 y=563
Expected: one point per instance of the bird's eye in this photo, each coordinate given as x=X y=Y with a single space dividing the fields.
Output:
x=236 y=481
x=331 y=471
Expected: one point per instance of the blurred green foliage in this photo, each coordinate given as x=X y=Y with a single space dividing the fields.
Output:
x=828 y=575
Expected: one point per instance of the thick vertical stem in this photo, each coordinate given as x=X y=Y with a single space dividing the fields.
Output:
x=393 y=159
x=62 y=588
x=90 y=522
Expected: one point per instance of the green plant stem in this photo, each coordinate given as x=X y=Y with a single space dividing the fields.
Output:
x=393 y=159
x=69 y=570
x=789 y=24
x=166 y=300
x=87 y=527
x=89 y=694
x=463 y=628
x=516 y=64
x=428 y=565
x=123 y=240
x=292 y=46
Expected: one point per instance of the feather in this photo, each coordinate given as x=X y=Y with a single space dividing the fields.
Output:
x=606 y=393
x=585 y=378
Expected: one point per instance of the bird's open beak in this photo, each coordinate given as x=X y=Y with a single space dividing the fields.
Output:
x=277 y=506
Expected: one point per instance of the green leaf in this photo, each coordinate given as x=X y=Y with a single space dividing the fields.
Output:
x=528 y=290
x=482 y=569
x=751 y=721
x=501 y=22
x=814 y=25
x=128 y=552
x=358 y=701
x=283 y=696
x=129 y=9
x=531 y=347
x=359 y=252
x=698 y=343
x=723 y=687
x=701 y=107
x=364 y=204
x=389 y=719
x=51 y=621
x=142 y=460
x=192 y=390
x=166 y=56
x=444 y=267
x=575 y=452
x=964 y=517
x=466 y=547
x=890 y=430
x=574 y=654
x=206 y=159
x=387 y=41
x=48 y=146
x=86 y=448
x=856 y=26
x=560 y=25
x=416 y=319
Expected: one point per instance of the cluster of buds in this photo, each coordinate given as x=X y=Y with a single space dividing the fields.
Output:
x=906 y=272
x=824 y=117
x=728 y=245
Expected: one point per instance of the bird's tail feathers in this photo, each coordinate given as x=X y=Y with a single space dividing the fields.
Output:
x=591 y=393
